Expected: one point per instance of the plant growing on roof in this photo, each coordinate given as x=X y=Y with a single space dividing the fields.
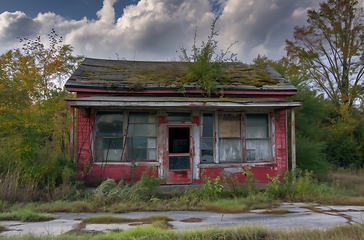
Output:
x=206 y=63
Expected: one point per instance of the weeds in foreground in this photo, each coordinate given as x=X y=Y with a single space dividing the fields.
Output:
x=109 y=192
x=220 y=195
x=157 y=231
x=240 y=232
x=299 y=187
x=25 y=215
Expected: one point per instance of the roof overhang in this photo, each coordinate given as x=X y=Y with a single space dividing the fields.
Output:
x=178 y=102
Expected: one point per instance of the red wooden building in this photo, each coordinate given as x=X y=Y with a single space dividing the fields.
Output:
x=131 y=117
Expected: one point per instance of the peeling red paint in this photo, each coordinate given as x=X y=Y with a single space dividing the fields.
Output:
x=162 y=120
x=196 y=120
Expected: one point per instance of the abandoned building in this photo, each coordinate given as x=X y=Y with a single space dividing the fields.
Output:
x=134 y=117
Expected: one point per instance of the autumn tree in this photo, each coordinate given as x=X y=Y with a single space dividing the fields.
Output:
x=330 y=49
x=33 y=115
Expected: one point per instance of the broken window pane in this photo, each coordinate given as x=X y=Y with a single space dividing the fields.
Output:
x=207 y=156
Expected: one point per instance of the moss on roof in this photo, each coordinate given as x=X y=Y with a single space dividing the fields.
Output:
x=140 y=75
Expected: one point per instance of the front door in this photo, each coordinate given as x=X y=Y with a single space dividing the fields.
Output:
x=179 y=160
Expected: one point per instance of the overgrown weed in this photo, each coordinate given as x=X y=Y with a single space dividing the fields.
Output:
x=25 y=215
x=109 y=192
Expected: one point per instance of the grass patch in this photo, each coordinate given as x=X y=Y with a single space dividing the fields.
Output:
x=192 y=220
x=277 y=211
x=241 y=232
x=2 y=228
x=314 y=209
x=25 y=215
x=65 y=206
x=238 y=205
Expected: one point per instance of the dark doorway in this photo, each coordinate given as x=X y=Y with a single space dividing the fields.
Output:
x=179 y=140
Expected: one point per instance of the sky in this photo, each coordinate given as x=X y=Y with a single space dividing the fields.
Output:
x=154 y=30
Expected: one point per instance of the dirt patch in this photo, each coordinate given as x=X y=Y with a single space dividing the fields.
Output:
x=3 y=229
x=276 y=211
x=136 y=224
x=193 y=220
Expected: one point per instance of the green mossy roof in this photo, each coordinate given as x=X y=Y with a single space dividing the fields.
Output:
x=135 y=75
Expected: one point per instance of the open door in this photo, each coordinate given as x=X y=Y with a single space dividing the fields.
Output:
x=179 y=156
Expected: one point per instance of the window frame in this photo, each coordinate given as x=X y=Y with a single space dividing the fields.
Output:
x=243 y=139
x=96 y=138
x=128 y=137
x=237 y=138
x=268 y=138
x=124 y=147
x=212 y=137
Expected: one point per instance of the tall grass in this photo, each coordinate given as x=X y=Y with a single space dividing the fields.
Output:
x=219 y=195
x=12 y=189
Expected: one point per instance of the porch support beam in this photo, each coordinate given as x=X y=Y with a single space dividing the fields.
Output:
x=293 y=138
x=72 y=126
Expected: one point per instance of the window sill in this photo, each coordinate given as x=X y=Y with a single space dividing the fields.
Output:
x=143 y=163
x=237 y=165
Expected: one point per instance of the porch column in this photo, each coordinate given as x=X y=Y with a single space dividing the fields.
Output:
x=293 y=139
x=72 y=125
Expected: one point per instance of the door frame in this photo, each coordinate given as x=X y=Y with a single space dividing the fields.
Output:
x=183 y=176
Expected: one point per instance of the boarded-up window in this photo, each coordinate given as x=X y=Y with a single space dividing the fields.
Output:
x=109 y=136
x=230 y=137
x=257 y=138
x=141 y=137
x=207 y=152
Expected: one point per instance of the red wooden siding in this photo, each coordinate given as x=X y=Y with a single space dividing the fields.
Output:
x=96 y=172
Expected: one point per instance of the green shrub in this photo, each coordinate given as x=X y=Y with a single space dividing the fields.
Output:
x=110 y=192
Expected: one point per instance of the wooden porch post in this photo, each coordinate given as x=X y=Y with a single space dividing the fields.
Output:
x=293 y=139
x=72 y=126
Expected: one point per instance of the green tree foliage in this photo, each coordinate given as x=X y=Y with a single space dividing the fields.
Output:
x=330 y=49
x=309 y=117
x=329 y=52
x=344 y=138
x=206 y=63
x=33 y=117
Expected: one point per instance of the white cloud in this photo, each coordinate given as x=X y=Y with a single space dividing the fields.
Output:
x=299 y=12
x=156 y=29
